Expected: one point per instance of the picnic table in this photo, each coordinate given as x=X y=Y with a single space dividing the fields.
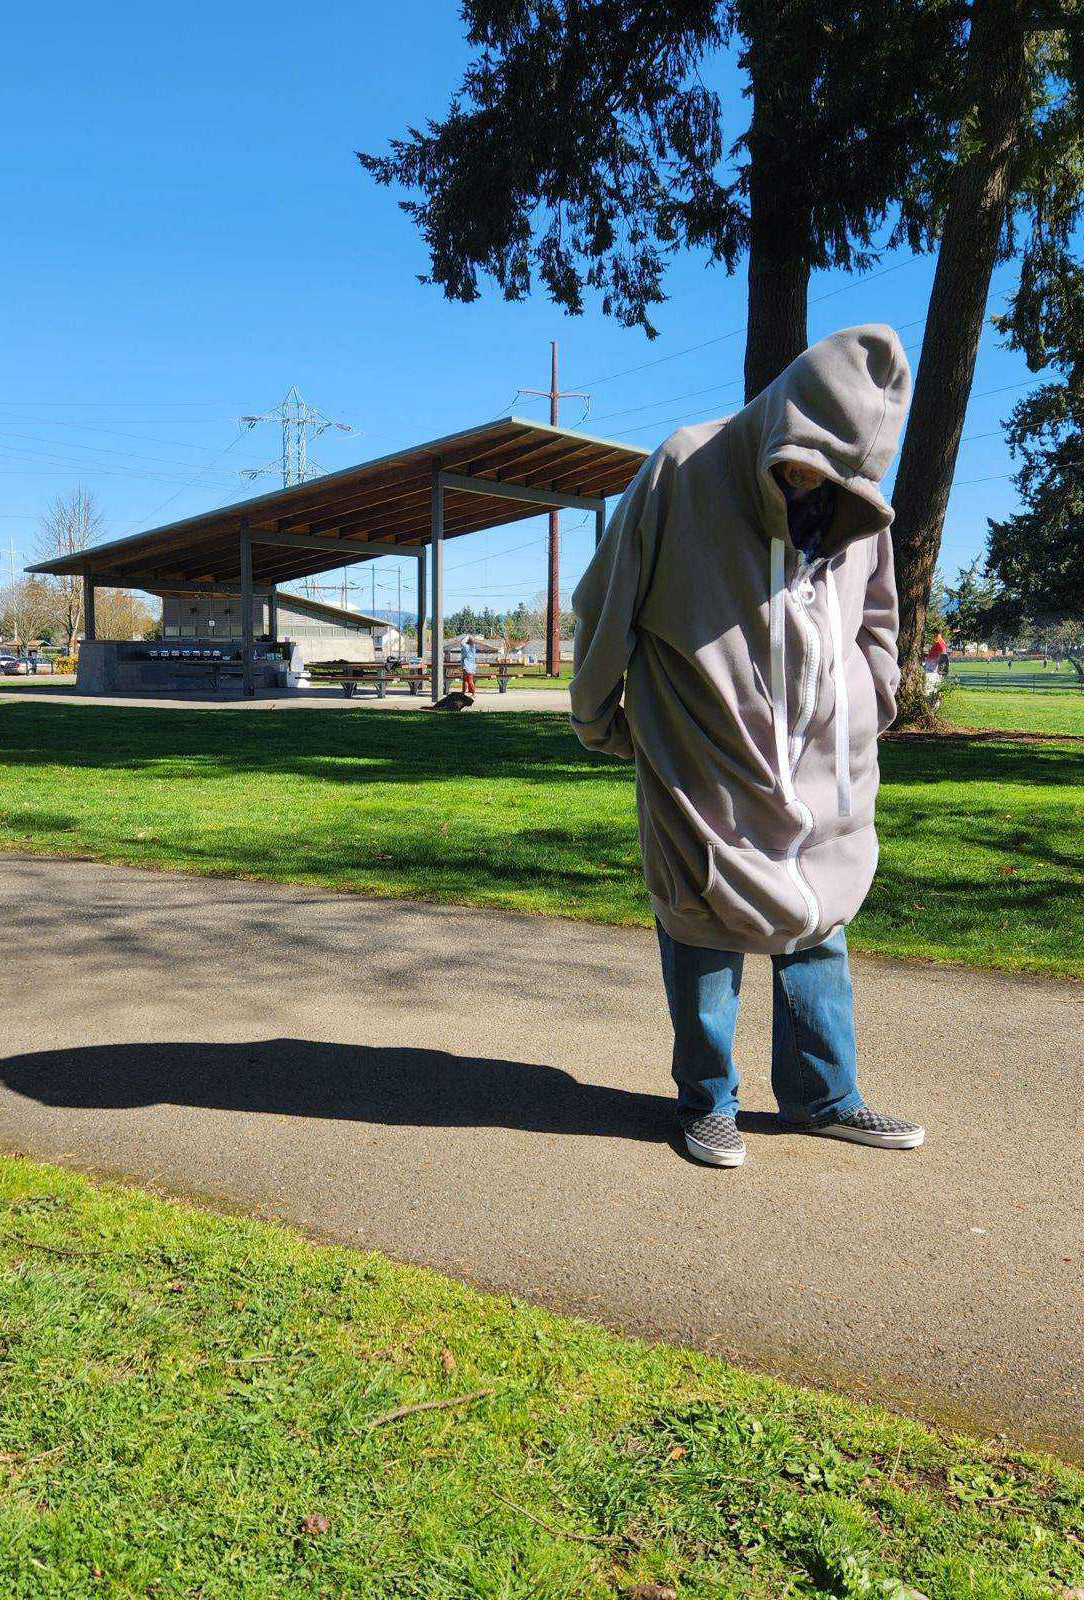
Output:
x=350 y=675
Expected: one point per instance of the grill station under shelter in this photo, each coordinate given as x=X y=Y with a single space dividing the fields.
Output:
x=406 y=503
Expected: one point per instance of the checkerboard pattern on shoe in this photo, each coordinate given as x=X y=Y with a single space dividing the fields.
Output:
x=866 y=1126
x=714 y=1140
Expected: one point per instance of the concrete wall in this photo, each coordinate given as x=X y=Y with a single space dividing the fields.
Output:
x=219 y=620
x=116 y=666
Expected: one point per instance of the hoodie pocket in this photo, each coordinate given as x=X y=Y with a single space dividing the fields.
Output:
x=666 y=871
x=753 y=895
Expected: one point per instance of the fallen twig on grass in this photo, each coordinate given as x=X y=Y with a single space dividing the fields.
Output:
x=564 y=1533
x=53 y=1249
x=431 y=1405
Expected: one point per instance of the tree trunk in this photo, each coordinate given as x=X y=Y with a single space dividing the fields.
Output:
x=974 y=218
x=778 y=274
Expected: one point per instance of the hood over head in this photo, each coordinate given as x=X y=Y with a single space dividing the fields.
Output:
x=839 y=408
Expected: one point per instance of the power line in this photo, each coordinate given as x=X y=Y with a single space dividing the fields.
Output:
x=117 y=433
x=99 y=449
x=233 y=442
x=733 y=333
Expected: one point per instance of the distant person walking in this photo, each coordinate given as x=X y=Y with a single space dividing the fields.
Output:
x=468 y=658
x=743 y=604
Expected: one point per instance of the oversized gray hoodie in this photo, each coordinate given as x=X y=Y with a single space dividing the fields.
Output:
x=754 y=683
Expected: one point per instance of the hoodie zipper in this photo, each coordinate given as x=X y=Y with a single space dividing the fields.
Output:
x=802 y=589
x=804 y=593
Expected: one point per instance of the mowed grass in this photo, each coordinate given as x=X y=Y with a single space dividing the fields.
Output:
x=196 y=1407
x=1053 y=712
x=982 y=839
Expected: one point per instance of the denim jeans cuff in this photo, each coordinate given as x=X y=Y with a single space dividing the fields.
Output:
x=800 y=1118
x=850 y=1102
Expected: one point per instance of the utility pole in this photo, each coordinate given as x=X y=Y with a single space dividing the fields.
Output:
x=553 y=578
x=14 y=592
x=553 y=574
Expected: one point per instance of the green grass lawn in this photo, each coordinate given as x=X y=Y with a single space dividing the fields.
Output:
x=1056 y=712
x=196 y=1407
x=982 y=840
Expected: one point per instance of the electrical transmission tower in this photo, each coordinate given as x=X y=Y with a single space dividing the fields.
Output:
x=300 y=424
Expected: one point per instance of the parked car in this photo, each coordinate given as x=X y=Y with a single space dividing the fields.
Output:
x=13 y=666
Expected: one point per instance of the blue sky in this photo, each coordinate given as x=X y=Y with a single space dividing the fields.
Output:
x=188 y=234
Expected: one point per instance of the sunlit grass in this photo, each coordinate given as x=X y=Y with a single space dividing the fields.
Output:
x=982 y=840
x=198 y=1406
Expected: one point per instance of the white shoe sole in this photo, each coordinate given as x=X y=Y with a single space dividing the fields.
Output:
x=879 y=1141
x=711 y=1157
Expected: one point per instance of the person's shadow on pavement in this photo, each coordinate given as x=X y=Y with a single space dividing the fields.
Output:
x=298 y=1077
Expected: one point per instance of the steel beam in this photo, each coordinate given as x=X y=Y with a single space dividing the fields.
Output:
x=248 y=677
x=600 y=525
x=273 y=614
x=518 y=491
x=421 y=603
x=335 y=548
x=88 y=608
x=156 y=583
x=436 y=671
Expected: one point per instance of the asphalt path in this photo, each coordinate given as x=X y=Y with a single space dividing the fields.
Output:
x=489 y=1095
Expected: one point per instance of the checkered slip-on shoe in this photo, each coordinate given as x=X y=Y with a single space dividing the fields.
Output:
x=864 y=1126
x=714 y=1140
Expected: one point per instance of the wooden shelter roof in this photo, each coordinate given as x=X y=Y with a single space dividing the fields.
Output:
x=377 y=508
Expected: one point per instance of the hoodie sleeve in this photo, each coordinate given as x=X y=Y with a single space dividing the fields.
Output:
x=880 y=625
x=607 y=601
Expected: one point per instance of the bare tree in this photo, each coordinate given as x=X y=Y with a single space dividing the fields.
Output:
x=30 y=611
x=71 y=523
x=120 y=614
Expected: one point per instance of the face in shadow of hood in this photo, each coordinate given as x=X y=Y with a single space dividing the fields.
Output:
x=838 y=408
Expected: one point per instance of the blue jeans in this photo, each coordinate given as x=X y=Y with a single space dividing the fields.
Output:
x=814 y=1066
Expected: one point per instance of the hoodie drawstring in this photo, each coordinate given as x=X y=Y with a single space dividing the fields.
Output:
x=777 y=618
x=843 y=705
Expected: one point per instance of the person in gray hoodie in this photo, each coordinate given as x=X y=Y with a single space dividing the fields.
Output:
x=736 y=638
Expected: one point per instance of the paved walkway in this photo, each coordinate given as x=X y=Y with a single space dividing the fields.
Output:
x=315 y=699
x=489 y=1095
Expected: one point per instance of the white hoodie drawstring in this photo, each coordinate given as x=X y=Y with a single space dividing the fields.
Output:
x=843 y=706
x=777 y=630
x=777 y=618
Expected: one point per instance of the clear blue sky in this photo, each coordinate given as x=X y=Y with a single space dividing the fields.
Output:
x=187 y=233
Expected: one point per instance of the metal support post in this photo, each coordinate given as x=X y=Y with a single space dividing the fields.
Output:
x=88 y=609
x=273 y=614
x=421 y=603
x=248 y=678
x=600 y=525
x=436 y=671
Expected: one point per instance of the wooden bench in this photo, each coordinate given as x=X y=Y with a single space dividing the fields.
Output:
x=350 y=674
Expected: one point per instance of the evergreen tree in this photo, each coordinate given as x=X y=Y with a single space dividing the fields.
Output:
x=1037 y=555
x=584 y=149
x=970 y=606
